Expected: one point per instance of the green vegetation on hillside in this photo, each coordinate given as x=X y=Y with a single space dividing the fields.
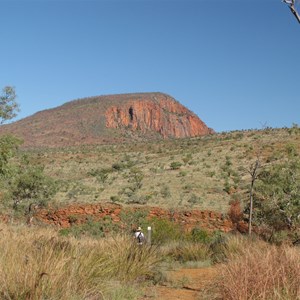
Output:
x=204 y=173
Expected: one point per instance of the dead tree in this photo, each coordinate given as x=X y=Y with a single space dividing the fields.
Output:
x=253 y=171
x=291 y=4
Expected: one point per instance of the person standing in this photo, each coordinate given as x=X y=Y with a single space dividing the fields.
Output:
x=139 y=236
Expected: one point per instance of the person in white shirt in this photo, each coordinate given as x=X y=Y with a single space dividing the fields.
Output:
x=139 y=236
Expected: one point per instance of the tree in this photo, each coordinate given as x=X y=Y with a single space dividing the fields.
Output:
x=253 y=171
x=8 y=105
x=8 y=148
x=291 y=4
x=32 y=185
x=277 y=195
x=21 y=179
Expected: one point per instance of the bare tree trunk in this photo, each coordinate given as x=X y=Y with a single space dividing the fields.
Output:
x=251 y=207
x=254 y=174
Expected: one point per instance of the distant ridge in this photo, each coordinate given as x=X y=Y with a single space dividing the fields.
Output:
x=108 y=119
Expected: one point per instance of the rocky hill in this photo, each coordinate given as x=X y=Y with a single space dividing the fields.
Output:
x=108 y=119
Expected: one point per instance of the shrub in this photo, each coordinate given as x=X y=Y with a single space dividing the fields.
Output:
x=227 y=187
x=136 y=177
x=115 y=198
x=193 y=199
x=137 y=199
x=187 y=158
x=118 y=166
x=277 y=196
x=90 y=228
x=175 y=165
x=200 y=235
x=134 y=218
x=8 y=148
x=100 y=174
x=165 y=191
x=219 y=248
x=182 y=173
x=165 y=231
x=32 y=185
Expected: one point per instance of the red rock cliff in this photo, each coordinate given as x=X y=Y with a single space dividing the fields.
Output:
x=107 y=120
x=161 y=114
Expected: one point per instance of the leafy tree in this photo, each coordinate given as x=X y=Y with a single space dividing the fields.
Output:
x=277 y=195
x=8 y=144
x=21 y=179
x=8 y=148
x=32 y=185
x=8 y=105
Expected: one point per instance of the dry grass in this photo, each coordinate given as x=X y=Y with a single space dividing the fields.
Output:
x=186 y=251
x=36 y=264
x=260 y=271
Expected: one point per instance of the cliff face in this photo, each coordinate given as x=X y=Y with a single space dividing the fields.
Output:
x=161 y=114
x=107 y=120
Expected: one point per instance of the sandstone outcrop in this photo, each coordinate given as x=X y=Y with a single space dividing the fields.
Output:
x=188 y=219
x=161 y=114
x=108 y=120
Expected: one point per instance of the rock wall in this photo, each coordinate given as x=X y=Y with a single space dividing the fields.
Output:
x=162 y=114
x=78 y=214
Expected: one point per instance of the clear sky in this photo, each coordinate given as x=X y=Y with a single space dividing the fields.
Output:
x=235 y=63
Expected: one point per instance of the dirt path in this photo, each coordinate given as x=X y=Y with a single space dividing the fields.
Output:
x=184 y=284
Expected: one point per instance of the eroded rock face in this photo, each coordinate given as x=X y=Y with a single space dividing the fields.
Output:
x=108 y=119
x=79 y=214
x=161 y=114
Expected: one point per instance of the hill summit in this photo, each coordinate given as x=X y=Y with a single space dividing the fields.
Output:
x=108 y=119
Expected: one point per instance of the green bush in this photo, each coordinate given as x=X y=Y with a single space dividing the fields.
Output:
x=164 y=231
x=91 y=228
x=277 y=196
x=175 y=165
x=118 y=166
x=200 y=235
x=219 y=248
x=100 y=174
x=134 y=218
x=193 y=199
x=31 y=184
x=8 y=148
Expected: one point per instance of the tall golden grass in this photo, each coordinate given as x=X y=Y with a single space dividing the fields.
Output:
x=186 y=251
x=257 y=270
x=37 y=264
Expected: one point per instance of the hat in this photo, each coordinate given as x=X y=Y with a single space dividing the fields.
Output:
x=139 y=228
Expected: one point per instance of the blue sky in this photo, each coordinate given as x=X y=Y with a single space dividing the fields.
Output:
x=233 y=62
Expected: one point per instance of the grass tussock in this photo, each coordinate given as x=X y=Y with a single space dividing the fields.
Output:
x=261 y=271
x=37 y=264
x=186 y=251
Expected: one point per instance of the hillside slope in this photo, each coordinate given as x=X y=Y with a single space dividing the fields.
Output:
x=107 y=120
x=203 y=173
